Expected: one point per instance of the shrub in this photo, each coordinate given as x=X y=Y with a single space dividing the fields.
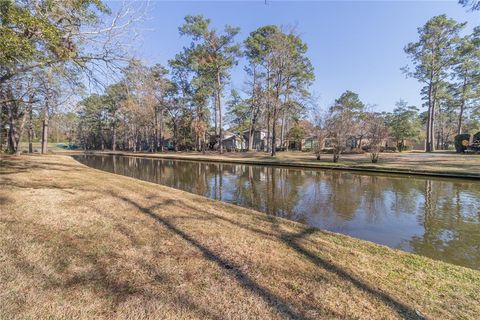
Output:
x=476 y=137
x=461 y=142
x=407 y=148
x=390 y=149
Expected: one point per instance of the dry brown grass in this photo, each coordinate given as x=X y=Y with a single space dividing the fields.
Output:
x=438 y=163
x=84 y=244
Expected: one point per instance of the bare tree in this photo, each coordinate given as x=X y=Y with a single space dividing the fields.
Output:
x=77 y=41
x=320 y=131
x=340 y=125
x=376 y=133
x=339 y=130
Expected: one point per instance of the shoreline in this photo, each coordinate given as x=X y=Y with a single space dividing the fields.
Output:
x=368 y=168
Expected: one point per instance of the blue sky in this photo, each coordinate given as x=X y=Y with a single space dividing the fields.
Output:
x=353 y=45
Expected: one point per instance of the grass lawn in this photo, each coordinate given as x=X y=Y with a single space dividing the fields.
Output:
x=80 y=243
x=53 y=148
x=438 y=163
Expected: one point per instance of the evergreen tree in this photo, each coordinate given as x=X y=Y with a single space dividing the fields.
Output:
x=432 y=57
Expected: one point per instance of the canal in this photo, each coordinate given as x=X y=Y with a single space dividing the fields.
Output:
x=435 y=217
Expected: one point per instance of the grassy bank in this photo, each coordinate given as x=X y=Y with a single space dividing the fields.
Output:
x=80 y=243
x=438 y=164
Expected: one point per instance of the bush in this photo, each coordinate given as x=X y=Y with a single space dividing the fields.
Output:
x=476 y=137
x=390 y=149
x=381 y=149
x=461 y=142
x=406 y=148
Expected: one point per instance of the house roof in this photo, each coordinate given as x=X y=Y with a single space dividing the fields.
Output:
x=231 y=137
x=261 y=130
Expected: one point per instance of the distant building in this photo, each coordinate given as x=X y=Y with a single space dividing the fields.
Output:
x=239 y=142
x=309 y=143
x=259 y=139
x=233 y=142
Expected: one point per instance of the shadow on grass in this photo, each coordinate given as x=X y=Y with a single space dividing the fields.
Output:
x=11 y=165
x=292 y=241
x=60 y=273
x=121 y=290
x=243 y=279
x=4 y=200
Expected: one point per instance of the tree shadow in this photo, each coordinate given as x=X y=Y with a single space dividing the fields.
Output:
x=292 y=241
x=120 y=290
x=11 y=165
x=279 y=304
x=402 y=309
x=11 y=183
x=59 y=275
x=4 y=200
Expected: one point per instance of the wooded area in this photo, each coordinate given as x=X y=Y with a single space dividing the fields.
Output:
x=56 y=56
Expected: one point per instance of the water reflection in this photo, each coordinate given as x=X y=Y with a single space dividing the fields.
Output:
x=438 y=218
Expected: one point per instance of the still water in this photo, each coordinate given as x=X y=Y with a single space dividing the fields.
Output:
x=437 y=218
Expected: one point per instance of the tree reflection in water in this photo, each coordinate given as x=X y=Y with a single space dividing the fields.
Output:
x=438 y=218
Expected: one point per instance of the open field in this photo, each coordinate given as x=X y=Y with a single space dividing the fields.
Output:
x=80 y=243
x=438 y=163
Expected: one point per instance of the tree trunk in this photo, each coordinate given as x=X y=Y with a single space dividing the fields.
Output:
x=268 y=131
x=114 y=137
x=30 y=129
x=215 y=115
x=114 y=131
x=336 y=156
x=276 y=106
x=431 y=118
x=360 y=141
x=1 y=123
x=161 y=131
x=462 y=107
x=156 y=139
x=219 y=95
x=274 y=132
x=20 y=133
x=102 y=139
x=12 y=130
x=45 y=129
x=26 y=115
x=175 y=137
x=251 y=134
x=253 y=118
x=460 y=118
x=268 y=110
x=126 y=138
x=282 y=130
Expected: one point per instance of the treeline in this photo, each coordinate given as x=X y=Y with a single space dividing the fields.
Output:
x=189 y=104
x=449 y=67
x=184 y=101
x=51 y=52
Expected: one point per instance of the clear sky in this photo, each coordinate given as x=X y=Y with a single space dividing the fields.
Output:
x=354 y=45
